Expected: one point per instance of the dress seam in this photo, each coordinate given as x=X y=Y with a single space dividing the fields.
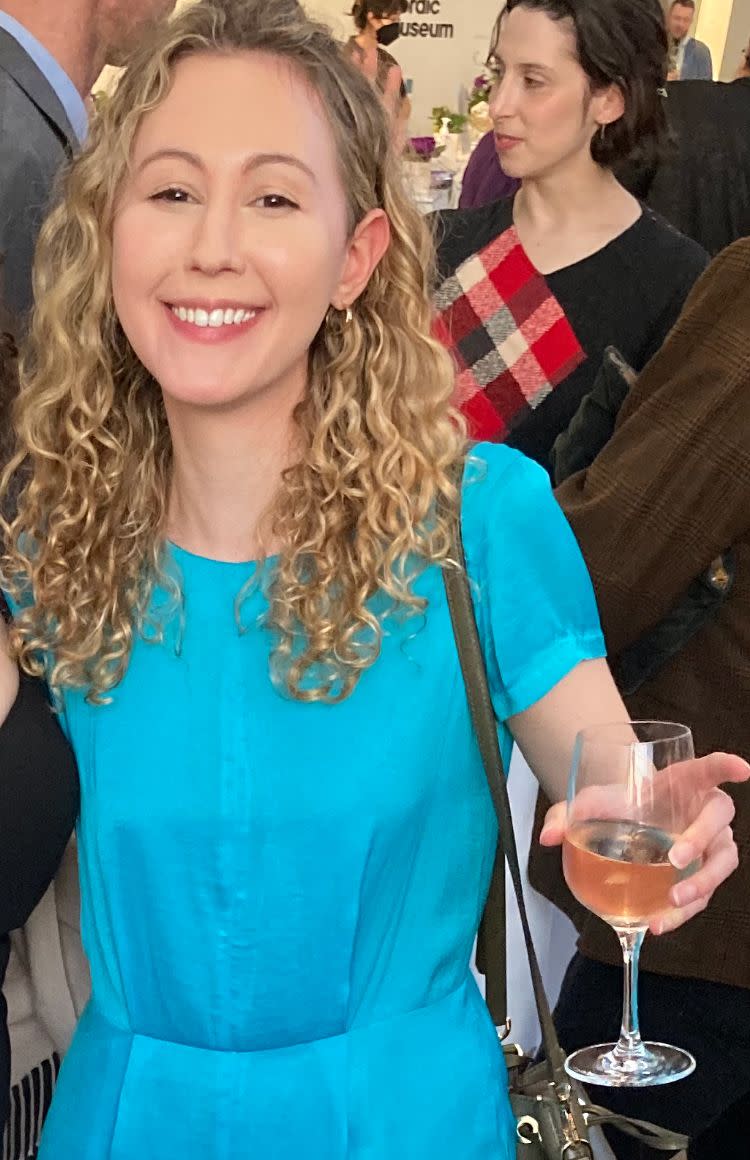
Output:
x=116 y=1120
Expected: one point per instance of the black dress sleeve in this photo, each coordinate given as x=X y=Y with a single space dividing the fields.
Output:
x=39 y=799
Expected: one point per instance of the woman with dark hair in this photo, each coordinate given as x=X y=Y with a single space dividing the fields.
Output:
x=532 y=291
x=378 y=24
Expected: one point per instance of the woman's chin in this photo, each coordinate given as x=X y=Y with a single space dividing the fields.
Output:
x=206 y=394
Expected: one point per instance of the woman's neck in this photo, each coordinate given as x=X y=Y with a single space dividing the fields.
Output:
x=569 y=194
x=227 y=469
x=367 y=38
x=570 y=214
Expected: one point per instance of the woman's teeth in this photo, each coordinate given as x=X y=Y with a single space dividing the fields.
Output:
x=214 y=318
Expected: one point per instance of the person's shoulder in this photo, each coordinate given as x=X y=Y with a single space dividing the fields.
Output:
x=459 y=233
x=501 y=487
x=386 y=59
x=657 y=234
x=25 y=133
x=664 y=255
x=720 y=299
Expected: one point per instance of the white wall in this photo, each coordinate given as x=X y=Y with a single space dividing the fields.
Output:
x=738 y=34
x=711 y=27
x=446 y=45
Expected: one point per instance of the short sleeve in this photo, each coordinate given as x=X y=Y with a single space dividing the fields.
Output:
x=533 y=598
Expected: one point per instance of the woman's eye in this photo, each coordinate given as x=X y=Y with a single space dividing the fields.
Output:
x=173 y=194
x=532 y=82
x=276 y=201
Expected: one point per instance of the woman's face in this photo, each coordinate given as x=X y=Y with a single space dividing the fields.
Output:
x=541 y=107
x=385 y=21
x=230 y=238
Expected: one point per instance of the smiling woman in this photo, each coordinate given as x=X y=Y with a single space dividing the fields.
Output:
x=254 y=245
x=243 y=470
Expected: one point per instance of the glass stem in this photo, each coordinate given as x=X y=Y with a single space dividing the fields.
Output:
x=629 y=1045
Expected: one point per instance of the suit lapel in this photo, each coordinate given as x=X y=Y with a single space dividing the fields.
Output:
x=16 y=62
x=687 y=64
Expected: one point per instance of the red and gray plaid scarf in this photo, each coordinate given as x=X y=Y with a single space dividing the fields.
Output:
x=508 y=335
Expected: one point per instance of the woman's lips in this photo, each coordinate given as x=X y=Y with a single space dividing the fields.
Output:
x=503 y=142
x=212 y=335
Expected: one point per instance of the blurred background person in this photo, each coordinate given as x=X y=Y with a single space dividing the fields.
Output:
x=378 y=26
x=485 y=180
x=532 y=290
x=701 y=184
x=689 y=59
x=51 y=54
x=743 y=69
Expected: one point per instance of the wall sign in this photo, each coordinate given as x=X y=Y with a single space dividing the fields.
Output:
x=425 y=20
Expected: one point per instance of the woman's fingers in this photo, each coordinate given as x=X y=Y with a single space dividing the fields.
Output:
x=715 y=815
x=694 y=894
x=706 y=773
x=672 y=919
x=720 y=861
x=553 y=830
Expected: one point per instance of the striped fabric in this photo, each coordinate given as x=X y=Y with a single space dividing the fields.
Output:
x=29 y=1103
x=508 y=334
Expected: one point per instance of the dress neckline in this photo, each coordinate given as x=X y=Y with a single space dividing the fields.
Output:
x=593 y=256
x=183 y=554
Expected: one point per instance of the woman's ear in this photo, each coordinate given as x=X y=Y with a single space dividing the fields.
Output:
x=608 y=105
x=366 y=248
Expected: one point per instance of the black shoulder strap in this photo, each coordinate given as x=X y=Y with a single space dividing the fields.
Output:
x=485 y=727
x=494 y=949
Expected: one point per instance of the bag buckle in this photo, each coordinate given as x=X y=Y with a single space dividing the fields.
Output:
x=574 y=1142
x=504 y=1031
x=527 y=1131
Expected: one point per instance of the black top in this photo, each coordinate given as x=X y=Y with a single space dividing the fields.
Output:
x=628 y=295
x=38 y=807
x=702 y=185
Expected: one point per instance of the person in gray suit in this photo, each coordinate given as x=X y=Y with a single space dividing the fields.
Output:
x=50 y=56
x=689 y=59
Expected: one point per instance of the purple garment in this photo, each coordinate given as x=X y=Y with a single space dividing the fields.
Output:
x=484 y=180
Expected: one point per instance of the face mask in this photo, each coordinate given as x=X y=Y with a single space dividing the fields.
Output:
x=388 y=33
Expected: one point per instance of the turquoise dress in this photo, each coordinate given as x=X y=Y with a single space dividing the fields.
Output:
x=280 y=899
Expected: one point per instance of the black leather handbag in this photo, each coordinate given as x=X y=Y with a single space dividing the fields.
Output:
x=552 y=1111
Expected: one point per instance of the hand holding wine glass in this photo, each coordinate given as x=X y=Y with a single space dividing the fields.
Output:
x=647 y=841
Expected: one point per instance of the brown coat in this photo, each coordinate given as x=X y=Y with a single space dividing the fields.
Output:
x=668 y=494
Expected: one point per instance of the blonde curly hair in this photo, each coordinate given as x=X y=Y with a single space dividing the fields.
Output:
x=371 y=499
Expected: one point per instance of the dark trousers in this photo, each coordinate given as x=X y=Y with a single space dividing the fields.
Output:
x=711 y=1020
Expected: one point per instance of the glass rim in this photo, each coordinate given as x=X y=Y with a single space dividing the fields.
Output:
x=672 y=731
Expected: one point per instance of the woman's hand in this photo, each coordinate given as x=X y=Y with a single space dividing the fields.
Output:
x=709 y=840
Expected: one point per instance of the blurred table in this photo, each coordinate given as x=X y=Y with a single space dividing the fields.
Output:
x=434 y=185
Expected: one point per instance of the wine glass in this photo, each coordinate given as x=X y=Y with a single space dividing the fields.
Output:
x=628 y=800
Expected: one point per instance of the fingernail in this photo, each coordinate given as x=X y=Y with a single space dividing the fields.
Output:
x=681 y=855
x=684 y=895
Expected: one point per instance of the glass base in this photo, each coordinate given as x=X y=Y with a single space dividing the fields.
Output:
x=648 y=1065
